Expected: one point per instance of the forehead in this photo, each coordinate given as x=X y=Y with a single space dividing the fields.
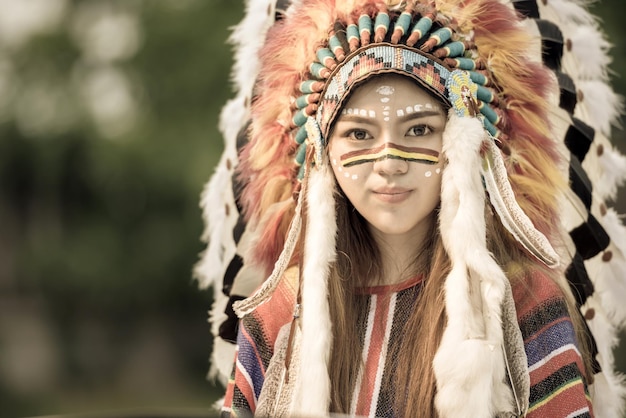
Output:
x=390 y=89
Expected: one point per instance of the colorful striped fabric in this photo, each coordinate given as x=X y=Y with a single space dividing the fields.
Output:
x=558 y=388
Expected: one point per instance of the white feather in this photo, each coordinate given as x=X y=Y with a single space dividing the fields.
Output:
x=608 y=393
x=613 y=173
x=247 y=38
x=608 y=276
x=609 y=284
x=591 y=50
x=609 y=390
x=566 y=12
x=600 y=106
x=613 y=225
x=222 y=358
x=218 y=232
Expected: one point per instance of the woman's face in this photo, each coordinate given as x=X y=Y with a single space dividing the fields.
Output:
x=385 y=150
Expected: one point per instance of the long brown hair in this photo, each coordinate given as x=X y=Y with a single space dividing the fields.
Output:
x=358 y=264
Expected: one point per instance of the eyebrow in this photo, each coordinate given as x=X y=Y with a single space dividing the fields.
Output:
x=408 y=116
x=354 y=118
x=421 y=114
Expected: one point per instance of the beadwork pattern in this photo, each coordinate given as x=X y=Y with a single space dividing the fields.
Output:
x=408 y=43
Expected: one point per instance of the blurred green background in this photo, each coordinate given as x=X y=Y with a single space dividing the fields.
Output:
x=108 y=131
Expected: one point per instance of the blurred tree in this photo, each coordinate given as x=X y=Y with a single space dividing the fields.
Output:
x=108 y=120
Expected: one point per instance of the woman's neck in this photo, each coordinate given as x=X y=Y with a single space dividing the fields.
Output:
x=399 y=253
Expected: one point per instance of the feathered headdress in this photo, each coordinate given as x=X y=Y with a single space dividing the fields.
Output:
x=532 y=135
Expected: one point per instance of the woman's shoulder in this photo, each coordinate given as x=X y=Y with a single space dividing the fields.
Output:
x=269 y=317
x=533 y=289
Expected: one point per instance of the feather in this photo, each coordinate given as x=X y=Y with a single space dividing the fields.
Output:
x=220 y=219
x=609 y=269
x=612 y=223
x=566 y=13
x=590 y=48
x=511 y=215
x=609 y=388
x=247 y=38
x=600 y=106
x=608 y=392
x=613 y=172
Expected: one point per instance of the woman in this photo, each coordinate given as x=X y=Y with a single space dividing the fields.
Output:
x=414 y=266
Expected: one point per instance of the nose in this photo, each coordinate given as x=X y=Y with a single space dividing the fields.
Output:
x=389 y=164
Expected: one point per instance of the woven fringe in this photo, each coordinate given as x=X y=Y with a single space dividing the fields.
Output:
x=264 y=293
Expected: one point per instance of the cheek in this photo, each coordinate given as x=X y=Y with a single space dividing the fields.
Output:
x=346 y=174
x=432 y=172
x=427 y=171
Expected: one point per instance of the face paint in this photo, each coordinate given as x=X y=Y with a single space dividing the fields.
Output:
x=386 y=92
x=360 y=112
x=346 y=174
x=393 y=196
x=418 y=107
x=390 y=150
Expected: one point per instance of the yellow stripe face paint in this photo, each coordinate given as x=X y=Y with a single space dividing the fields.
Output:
x=390 y=150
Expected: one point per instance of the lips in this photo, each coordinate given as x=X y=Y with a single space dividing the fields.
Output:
x=392 y=194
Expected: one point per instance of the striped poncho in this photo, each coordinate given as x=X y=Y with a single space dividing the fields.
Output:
x=558 y=387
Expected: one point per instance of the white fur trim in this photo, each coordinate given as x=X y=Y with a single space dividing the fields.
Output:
x=469 y=364
x=313 y=386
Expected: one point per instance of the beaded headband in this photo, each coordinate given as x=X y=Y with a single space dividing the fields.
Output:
x=393 y=43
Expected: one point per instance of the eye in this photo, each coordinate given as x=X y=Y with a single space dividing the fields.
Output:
x=419 y=130
x=358 y=134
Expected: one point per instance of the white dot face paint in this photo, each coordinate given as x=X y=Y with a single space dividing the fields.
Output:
x=360 y=112
x=385 y=90
x=340 y=169
x=386 y=113
x=428 y=173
